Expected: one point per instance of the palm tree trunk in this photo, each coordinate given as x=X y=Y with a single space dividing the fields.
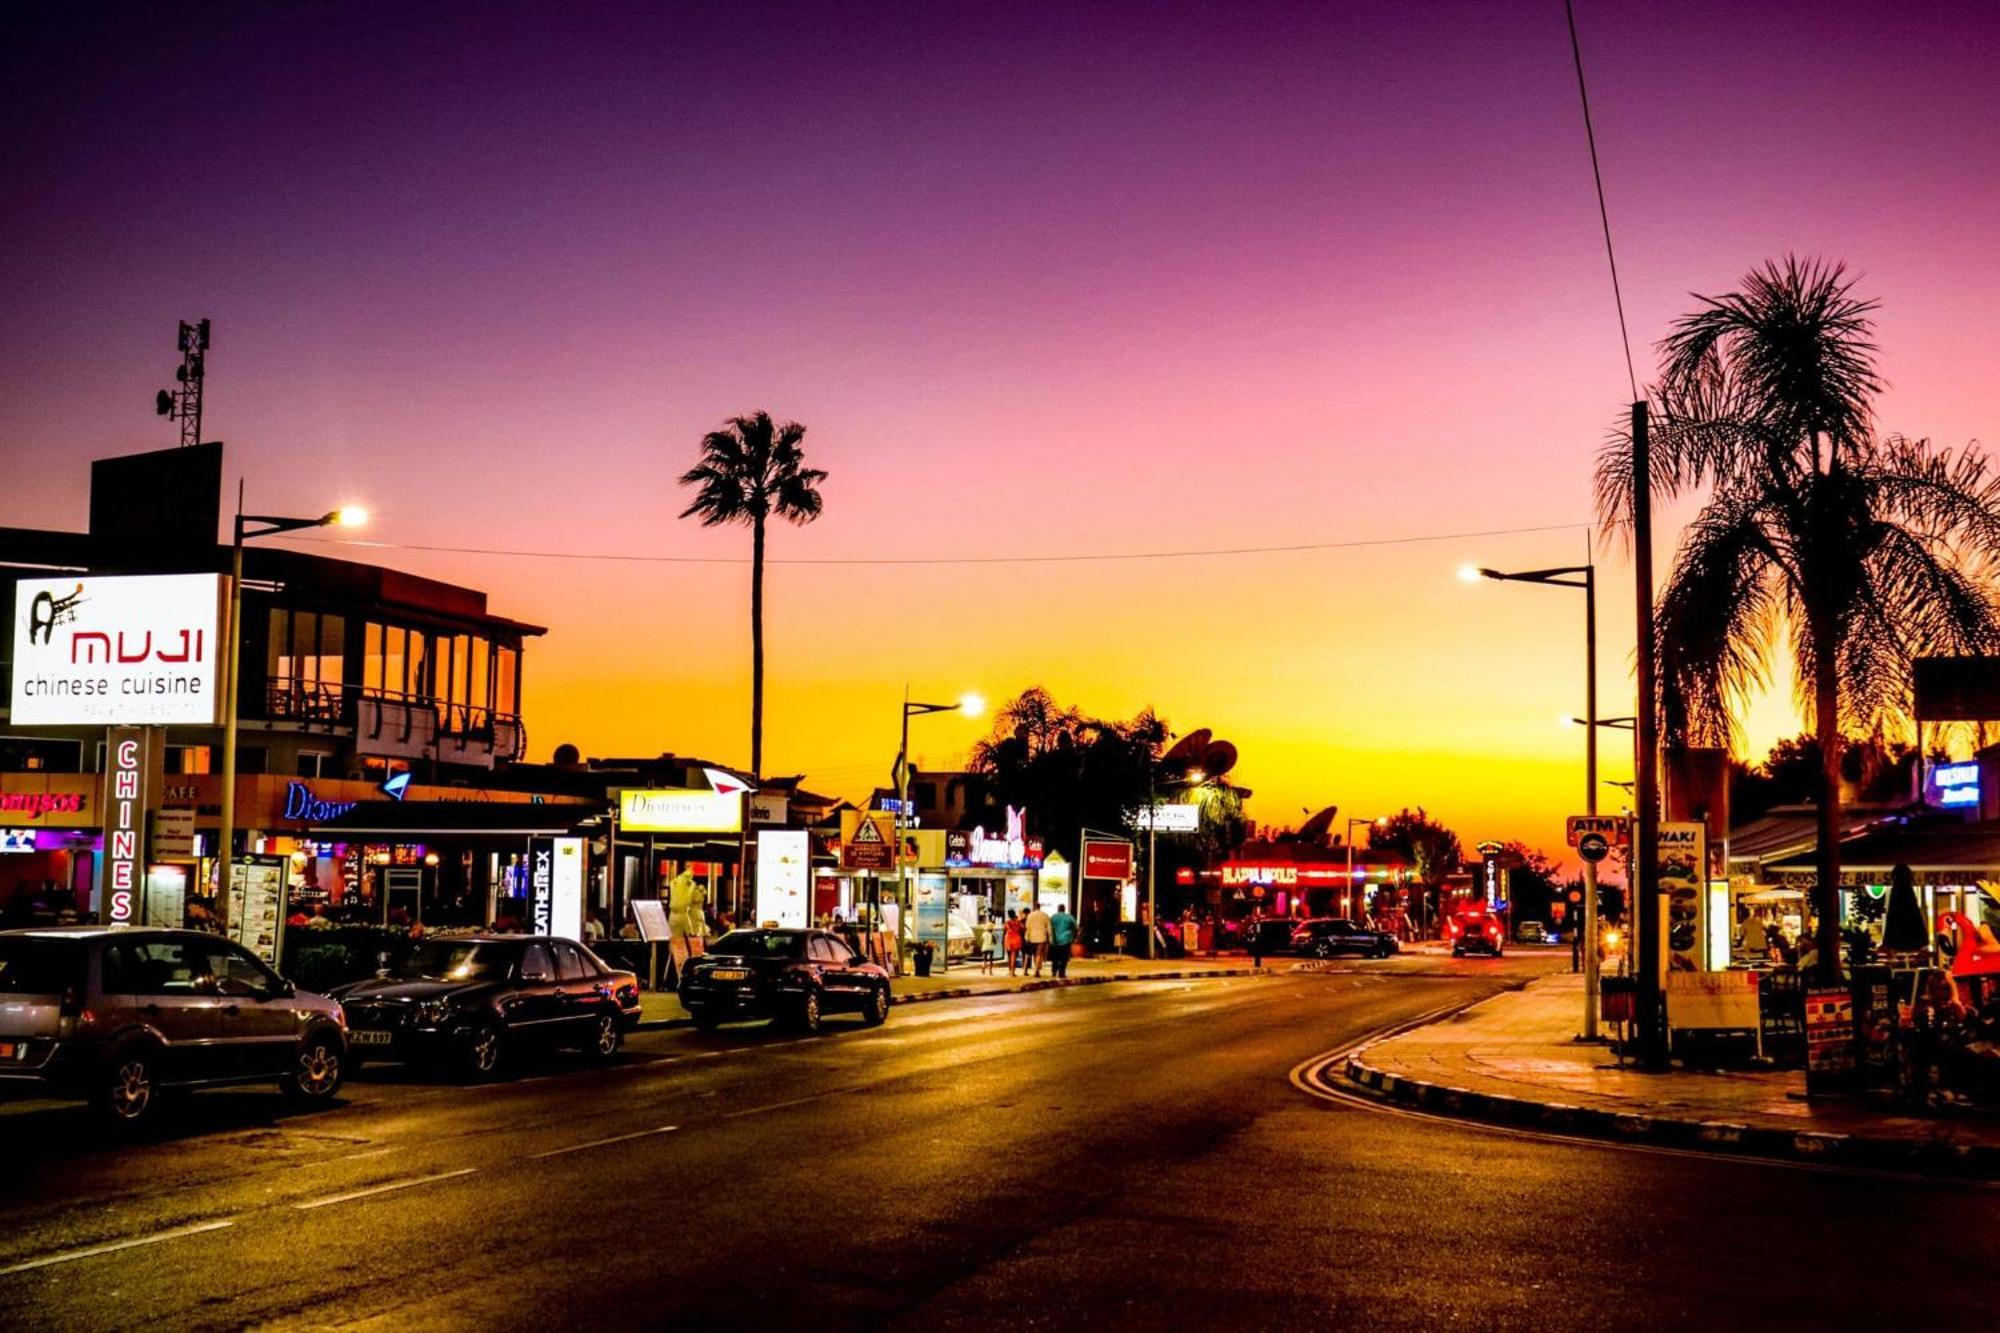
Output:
x=757 y=649
x=1826 y=720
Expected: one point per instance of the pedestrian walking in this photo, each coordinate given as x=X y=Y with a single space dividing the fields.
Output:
x=1036 y=933
x=1257 y=939
x=1013 y=941
x=1062 y=938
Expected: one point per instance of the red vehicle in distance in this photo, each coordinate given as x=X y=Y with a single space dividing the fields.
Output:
x=1475 y=930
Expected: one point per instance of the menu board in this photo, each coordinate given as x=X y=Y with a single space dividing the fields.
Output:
x=933 y=905
x=257 y=905
x=1829 y=1040
x=650 y=915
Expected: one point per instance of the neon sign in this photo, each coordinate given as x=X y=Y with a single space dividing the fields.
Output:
x=1956 y=784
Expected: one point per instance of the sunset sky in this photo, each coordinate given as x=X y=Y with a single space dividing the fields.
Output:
x=1106 y=280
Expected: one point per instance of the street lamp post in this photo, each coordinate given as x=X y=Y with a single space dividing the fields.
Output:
x=268 y=525
x=1585 y=577
x=1347 y=890
x=972 y=706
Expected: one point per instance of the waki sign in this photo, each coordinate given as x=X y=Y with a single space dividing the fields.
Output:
x=138 y=651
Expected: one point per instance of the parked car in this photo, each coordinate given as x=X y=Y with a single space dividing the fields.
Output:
x=1327 y=936
x=478 y=1000
x=794 y=976
x=1474 y=932
x=1272 y=934
x=119 y=1015
x=1530 y=932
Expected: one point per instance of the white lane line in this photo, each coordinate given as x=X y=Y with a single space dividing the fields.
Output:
x=358 y=1156
x=113 y=1246
x=384 y=1189
x=599 y=1143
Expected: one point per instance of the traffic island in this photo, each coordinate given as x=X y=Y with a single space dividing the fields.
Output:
x=1514 y=1060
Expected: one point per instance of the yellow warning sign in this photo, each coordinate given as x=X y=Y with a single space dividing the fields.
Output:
x=867 y=840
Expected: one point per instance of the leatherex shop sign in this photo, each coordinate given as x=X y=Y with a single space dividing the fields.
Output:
x=137 y=651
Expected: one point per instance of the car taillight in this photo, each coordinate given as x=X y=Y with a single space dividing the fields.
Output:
x=1493 y=929
x=1453 y=927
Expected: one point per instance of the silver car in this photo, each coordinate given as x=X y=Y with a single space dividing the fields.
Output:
x=117 y=1015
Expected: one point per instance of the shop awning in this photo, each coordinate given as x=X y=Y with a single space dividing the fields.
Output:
x=390 y=820
x=1936 y=853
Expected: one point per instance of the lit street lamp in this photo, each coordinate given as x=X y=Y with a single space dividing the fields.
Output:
x=268 y=525
x=1584 y=577
x=971 y=705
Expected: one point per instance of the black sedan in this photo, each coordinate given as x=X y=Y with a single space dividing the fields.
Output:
x=787 y=976
x=1327 y=936
x=477 y=1000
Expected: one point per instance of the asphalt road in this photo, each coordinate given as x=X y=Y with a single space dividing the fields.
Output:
x=1125 y=1156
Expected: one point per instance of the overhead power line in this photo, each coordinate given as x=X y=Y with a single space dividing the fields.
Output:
x=1066 y=558
x=1603 y=213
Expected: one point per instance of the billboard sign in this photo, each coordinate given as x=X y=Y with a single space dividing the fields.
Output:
x=784 y=878
x=541 y=885
x=566 y=889
x=1954 y=786
x=1105 y=859
x=1167 y=818
x=679 y=810
x=139 y=651
x=131 y=769
x=1683 y=880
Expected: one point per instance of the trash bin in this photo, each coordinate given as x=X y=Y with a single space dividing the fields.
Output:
x=1618 y=996
x=921 y=956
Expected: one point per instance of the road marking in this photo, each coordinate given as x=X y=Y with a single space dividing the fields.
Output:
x=599 y=1143
x=384 y=1189
x=1309 y=1077
x=358 y=1156
x=113 y=1246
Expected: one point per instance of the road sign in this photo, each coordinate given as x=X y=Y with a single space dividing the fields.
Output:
x=1593 y=847
x=1616 y=830
x=867 y=840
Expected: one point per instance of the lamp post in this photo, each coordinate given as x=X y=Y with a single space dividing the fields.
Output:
x=1347 y=889
x=972 y=706
x=267 y=525
x=1194 y=777
x=1585 y=577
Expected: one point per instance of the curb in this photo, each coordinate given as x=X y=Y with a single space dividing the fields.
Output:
x=1046 y=983
x=1936 y=1156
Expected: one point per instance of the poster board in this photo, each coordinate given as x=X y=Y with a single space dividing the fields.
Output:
x=1713 y=1001
x=1683 y=880
x=257 y=905
x=784 y=877
x=1829 y=1040
x=650 y=916
x=933 y=904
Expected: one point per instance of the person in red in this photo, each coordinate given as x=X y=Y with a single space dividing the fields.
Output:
x=1013 y=941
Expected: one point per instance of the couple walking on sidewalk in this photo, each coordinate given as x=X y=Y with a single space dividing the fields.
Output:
x=1040 y=939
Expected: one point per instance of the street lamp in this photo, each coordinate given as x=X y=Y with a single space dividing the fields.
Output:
x=268 y=525
x=971 y=705
x=1584 y=577
x=1347 y=890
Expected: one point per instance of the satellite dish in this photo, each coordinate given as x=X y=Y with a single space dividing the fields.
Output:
x=1218 y=759
x=1189 y=751
x=1320 y=827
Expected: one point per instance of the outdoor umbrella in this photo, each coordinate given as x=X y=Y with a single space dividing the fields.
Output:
x=1903 y=928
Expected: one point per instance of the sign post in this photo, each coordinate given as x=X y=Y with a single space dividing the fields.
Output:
x=1593 y=836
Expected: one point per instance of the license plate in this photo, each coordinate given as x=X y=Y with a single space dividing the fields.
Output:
x=369 y=1037
x=730 y=973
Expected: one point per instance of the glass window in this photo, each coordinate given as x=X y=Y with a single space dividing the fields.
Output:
x=152 y=967
x=760 y=944
x=395 y=650
x=371 y=658
x=236 y=972
x=445 y=960
x=478 y=691
x=330 y=672
x=30 y=966
x=304 y=645
x=278 y=646
x=419 y=681
x=826 y=951
x=569 y=963
x=534 y=959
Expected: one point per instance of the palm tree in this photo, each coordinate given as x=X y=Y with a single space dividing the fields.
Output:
x=1856 y=552
x=751 y=470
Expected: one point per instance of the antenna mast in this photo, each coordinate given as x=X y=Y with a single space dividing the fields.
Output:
x=184 y=404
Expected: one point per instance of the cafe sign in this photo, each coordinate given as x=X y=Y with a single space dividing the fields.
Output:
x=679 y=810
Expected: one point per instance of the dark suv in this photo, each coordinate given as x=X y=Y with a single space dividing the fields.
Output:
x=1327 y=936
x=118 y=1014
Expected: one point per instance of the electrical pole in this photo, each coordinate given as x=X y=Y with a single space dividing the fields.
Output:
x=184 y=404
x=1650 y=1007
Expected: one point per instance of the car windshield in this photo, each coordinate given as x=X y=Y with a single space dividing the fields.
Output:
x=760 y=944
x=37 y=967
x=448 y=960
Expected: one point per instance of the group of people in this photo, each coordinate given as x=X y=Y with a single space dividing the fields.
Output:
x=1037 y=940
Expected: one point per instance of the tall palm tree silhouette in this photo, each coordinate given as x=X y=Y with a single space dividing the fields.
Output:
x=1856 y=552
x=750 y=471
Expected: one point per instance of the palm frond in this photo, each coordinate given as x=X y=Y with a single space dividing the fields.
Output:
x=1714 y=622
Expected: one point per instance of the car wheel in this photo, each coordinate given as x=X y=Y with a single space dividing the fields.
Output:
x=808 y=1015
x=316 y=1072
x=129 y=1093
x=704 y=1018
x=877 y=1008
x=1381 y=948
x=1323 y=949
x=485 y=1054
x=605 y=1037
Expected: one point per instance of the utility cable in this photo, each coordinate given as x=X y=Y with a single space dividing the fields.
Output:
x=1603 y=213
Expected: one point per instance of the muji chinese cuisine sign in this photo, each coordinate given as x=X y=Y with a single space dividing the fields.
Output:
x=133 y=651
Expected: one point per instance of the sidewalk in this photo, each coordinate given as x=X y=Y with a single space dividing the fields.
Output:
x=659 y=1009
x=1513 y=1058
